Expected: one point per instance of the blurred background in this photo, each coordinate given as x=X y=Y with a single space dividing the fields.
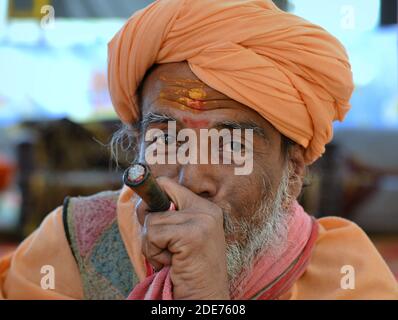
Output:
x=56 y=116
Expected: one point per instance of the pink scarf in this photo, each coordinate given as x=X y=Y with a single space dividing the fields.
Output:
x=270 y=277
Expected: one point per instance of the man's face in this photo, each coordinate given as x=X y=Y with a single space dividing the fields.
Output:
x=172 y=91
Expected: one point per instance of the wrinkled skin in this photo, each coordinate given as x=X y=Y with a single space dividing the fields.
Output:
x=191 y=240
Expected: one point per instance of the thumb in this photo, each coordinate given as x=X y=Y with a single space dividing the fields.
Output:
x=181 y=196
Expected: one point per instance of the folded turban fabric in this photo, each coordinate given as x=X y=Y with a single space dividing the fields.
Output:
x=292 y=72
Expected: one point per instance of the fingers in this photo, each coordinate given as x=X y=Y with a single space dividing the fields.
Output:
x=181 y=232
x=160 y=234
x=185 y=199
x=164 y=217
x=155 y=240
x=171 y=230
x=159 y=230
x=175 y=192
x=180 y=195
x=159 y=260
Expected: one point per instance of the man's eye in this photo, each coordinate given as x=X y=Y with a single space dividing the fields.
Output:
x=165 y=139
x=233 y=146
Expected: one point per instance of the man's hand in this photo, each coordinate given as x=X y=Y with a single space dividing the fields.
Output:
x=191 y=240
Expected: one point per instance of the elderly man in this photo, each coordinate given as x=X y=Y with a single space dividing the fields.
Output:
x=224 y=65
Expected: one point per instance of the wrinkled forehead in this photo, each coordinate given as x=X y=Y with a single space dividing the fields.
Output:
x=173 y=89
x=176 y=82
x=173 y=92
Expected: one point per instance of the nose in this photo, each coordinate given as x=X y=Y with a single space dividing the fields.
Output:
x=198 y=178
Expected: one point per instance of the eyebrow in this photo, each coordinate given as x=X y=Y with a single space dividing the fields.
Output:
x=163 y=118
x=155 y=118
x=250 y=125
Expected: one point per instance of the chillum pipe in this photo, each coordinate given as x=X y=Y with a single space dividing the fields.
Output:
x=140 y=179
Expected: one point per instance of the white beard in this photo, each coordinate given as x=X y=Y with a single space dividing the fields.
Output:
x=263 y=232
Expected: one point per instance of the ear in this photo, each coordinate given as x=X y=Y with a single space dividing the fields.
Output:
x=297 y=169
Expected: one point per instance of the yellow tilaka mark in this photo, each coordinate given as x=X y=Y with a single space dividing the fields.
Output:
x=197 y=94
x=184 y=100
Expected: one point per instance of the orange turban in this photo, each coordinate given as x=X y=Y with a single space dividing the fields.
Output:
x=292 y=72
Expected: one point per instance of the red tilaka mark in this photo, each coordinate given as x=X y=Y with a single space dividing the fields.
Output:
x=191 y=123
x=195 y=104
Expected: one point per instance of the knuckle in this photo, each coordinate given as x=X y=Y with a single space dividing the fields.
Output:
x=150 y=236
x=212 y=219
x=151 y=219
x=163 y=181
x=146 y=241
x=201 y=232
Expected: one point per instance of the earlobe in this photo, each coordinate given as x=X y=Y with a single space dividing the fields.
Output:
x=296 y=154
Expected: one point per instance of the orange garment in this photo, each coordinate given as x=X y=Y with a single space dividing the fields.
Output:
x=340 y=242
x=292 y=72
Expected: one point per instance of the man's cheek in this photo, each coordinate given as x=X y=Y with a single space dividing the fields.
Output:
x=239 y=201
